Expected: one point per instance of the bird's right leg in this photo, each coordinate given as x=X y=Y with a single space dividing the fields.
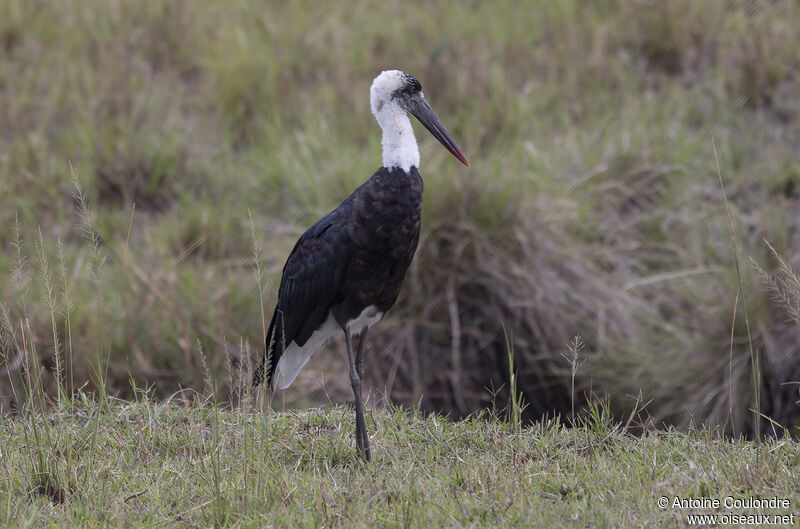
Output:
x=362 y=342
x=362 y=440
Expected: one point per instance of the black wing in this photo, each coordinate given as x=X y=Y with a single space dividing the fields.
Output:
x=310 y=285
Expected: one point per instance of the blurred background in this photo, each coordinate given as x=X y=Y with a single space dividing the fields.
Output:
x=204 y=138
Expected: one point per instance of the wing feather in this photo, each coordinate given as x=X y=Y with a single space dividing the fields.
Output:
x=311 y=283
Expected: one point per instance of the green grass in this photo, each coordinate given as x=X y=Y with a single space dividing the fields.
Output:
x=158 y=160
x=147 y=464
x=591 y=207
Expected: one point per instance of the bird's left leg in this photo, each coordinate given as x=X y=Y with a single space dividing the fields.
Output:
x=362 y=342
x=362 y=440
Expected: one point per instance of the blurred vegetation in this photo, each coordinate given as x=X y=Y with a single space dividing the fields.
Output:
x=592 y=206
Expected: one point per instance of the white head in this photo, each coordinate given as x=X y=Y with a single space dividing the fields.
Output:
x=392 y=94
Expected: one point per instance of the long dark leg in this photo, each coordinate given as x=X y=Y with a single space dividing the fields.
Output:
x=362 y=440
x=360 y=357
x=362 y=341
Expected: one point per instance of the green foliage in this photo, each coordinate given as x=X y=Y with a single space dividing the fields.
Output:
x=591 y=207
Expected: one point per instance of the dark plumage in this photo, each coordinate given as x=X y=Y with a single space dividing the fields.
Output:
x=354 y=257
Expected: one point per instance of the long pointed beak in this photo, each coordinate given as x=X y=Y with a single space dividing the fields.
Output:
x=425 y=114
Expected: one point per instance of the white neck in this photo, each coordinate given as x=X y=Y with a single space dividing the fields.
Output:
x=399 y=144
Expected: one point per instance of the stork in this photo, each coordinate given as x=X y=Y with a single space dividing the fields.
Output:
x=345 y=271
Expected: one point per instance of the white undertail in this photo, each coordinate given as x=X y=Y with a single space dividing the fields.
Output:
x=295 y=357
x=399 y=144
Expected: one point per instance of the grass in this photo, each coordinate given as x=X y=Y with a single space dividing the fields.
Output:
x=159 y=159
x=148 y=464
x=206 y=138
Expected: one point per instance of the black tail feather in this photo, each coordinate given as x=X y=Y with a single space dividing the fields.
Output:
x=272 y=352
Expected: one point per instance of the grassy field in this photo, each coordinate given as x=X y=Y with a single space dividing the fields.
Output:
x=146 y=464
x=631 y=164
x=627 y=235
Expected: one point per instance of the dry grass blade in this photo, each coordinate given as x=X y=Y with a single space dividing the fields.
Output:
x=753 y=354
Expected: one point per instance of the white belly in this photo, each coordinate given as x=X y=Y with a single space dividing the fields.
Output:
x=295 y=357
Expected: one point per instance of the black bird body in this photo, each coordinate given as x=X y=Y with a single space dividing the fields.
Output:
x=384 y=226
x=346 y=270
x=352 y=260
